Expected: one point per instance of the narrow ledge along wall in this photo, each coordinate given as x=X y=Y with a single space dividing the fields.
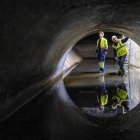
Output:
x=71 y=61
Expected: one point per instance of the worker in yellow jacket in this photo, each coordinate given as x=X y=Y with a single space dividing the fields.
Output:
x=102 y=100
x=101 y=50
x=119 y=98
x=121 y=52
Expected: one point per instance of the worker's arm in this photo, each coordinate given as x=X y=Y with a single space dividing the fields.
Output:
x=97 y=49
x=106 y=44
x=113 y=46
x=97 y=44
x=115 y=53
x=124 y=39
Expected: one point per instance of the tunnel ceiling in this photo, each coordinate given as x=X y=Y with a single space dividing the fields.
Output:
x=35 y=34
x=14 y=9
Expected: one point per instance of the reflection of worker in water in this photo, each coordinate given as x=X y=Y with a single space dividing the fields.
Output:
x=101 y=50
x=121 y=51
x=102 y=96
x=120 y=97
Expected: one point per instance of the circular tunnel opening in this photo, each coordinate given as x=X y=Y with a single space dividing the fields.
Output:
x=87 y=88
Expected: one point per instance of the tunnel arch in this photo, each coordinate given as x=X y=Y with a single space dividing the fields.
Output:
x=73 y=31
x=82 y=22
x=62 y=52
x=123 y=31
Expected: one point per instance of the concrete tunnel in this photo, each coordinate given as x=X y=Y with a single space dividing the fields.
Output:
x=40 y=61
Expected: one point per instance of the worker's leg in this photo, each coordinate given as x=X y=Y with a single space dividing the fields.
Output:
x=121 y=63
x=101 y=62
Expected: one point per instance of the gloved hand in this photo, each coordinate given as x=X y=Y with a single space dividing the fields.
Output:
x=105 y=51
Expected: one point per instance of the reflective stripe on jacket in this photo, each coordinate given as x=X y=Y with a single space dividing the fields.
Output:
x=120 y=96
x=120 y=49
x=103 y=44
x=102 y=99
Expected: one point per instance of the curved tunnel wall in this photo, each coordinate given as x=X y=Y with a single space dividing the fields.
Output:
x=36 y=38
x=71 y=61
x=134 y=51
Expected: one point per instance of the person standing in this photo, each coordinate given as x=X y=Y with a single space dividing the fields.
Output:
x=121 y=52
x=101 y=51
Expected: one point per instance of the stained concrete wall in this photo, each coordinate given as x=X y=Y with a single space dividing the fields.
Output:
x=134 y=52
x=71 y=61
x=134 y=90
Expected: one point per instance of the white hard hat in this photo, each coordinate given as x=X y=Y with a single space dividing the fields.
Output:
x=114 y=37
x=114 y=105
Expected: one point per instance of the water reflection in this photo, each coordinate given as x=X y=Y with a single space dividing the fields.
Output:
x=105 y=99
x=102 y=95
x=111 y=100
x=119 y=98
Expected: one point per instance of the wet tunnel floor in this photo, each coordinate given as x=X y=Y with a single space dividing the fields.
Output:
x=56 y=117
x=87 y=88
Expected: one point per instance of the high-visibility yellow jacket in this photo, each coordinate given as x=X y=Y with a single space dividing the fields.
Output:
x=120 y=49
x=103 y=44
x=102 y=99
x=120 y=95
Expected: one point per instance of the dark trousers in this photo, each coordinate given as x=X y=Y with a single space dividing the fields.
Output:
x=121 y=60
x=101 y=56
